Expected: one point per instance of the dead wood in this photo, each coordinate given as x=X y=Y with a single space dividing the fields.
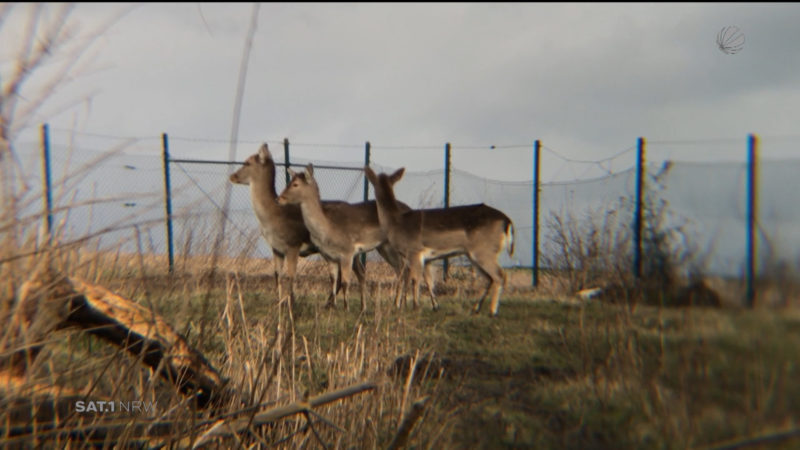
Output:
x=228 y=428
x=409 y=420
x=152 y=432
x=48 y=302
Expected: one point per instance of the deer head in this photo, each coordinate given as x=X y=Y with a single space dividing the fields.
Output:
x=255 y=167
x=301 y=187
x=384 y=186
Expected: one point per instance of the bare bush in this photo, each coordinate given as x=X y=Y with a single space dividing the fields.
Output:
x=596 y=250
x=778 y=281
x=586 y=251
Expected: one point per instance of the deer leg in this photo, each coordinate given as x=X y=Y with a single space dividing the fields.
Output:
x=400 y=284
x=415 y=269
x=291 y=270
x=405 y=284
x=491 y=270
x=333 y=270
x=344 y=265
x=426 y=273
x=414 y=291
x=401 y=287
x=277 y=267
x=360 y=272
x=395 y=260
x=495 y=305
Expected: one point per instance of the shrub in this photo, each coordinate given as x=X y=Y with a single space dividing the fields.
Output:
x=596 y=250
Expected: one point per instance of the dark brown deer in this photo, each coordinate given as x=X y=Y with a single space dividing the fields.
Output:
x=282 y=225
x=478 y=231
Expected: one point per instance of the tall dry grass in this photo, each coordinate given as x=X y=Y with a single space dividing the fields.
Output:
x=551 y=371
x=263 y=356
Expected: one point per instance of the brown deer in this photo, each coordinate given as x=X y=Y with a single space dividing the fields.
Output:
x=282 y=225
x=341 y=232
x=478 y=231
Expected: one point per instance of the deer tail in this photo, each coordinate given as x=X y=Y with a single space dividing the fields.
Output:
x=510 y=238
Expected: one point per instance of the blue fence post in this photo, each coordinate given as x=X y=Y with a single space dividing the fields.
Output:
x=445 y=265
x=286 y=159
x=535 y=244
x=637 y=220
x=752 y=204
x=367 y=153
x=366 y=187
x=47 y=182
x=168 y=202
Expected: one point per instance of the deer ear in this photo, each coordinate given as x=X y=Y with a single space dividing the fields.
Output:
x=370 y=175
x=263 y=154
x=291 y=172
x=309 y=171
x=395 y=177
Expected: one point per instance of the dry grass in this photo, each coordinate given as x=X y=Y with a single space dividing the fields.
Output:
x=550 y=372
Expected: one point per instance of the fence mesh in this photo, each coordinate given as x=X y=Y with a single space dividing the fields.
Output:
x=116 y=199
x=107 y=199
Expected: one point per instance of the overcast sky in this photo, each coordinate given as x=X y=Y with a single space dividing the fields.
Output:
x=586 y=79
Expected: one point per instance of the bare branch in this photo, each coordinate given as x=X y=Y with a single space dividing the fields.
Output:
x=409 y=420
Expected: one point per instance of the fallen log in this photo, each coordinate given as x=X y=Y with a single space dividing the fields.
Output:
x=225 y=428
x=49 y=302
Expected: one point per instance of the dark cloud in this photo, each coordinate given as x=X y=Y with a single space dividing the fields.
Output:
x=586 y=79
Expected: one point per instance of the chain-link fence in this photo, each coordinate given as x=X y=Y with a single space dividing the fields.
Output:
x=116 y=199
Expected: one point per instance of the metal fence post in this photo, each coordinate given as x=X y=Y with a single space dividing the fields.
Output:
x=286 y=159
x=535 y=244
x=47 y=182
x=752 y=204
x=637 y=220
x=366 y=188
x=168 y=202
x=445 y=265
x=367 y=151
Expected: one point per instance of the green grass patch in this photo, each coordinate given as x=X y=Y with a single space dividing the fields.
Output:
x=543 y=374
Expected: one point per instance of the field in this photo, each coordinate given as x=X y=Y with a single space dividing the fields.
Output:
x=551 y=371
x=221 y=360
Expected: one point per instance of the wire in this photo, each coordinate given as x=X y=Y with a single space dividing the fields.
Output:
x=104 y=136
x=306 y=144
x=373 y=146
x=208 y=196
x=406 y=147
x=221 y=141
x=697 y=141
x=564 y=158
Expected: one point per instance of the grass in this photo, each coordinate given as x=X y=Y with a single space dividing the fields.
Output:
x=549 y=372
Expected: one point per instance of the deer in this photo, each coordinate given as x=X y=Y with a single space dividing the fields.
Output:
x=341 y=232
x=282 y=226
x=478 y=231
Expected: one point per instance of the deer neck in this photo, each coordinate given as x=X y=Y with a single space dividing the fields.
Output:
x=314 y=217
x=388 y=209
x=262 y=193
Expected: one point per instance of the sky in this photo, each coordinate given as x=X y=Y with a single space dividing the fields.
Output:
x=585 y=79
